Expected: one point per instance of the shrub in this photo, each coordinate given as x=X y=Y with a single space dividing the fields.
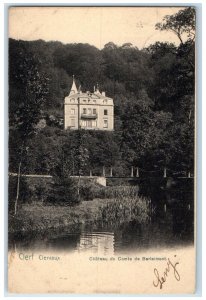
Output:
x=126 y=209
x=87 y=191
x=63 y=191
x=91 y=190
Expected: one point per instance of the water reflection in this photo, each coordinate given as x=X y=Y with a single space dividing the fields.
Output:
x=96 y=243
x=170 y=229
x=170 y=225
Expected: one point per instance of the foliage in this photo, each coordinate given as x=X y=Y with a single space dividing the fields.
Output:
x=153 y=91
x=124 y=209
x=183 y=22
x=63 y=192
x=25 y=193
x=28 y=90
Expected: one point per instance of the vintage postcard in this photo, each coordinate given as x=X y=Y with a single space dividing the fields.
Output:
x=102 y=163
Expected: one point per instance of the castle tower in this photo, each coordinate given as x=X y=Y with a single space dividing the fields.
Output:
x=73 y=88
x=86 y=110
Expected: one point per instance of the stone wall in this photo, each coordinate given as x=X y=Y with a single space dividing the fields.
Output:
x=96 y=179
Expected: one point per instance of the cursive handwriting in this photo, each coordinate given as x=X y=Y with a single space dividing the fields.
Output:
x=160 y=280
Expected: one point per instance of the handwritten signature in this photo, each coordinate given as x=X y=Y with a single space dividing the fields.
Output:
x=160 y=280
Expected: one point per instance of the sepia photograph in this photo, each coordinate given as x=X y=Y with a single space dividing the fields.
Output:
x=102 y=150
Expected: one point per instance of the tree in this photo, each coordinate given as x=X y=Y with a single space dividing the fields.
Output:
x=153 y=91
x=110 y=46
x=181 y=24
x=126 y=45
x=33 y=91
x=63 y=191
x=146 y=140
x=181 y=83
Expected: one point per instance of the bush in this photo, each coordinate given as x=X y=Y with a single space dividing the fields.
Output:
x=63 y=191
x=122 y=209
x=111 y=192
x=91 y=190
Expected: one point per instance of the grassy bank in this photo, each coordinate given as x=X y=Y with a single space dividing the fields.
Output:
x=39 y=217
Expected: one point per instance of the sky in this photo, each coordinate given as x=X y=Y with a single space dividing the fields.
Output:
x=94 y=25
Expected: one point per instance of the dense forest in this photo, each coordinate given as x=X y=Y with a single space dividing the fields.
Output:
x=153 y=91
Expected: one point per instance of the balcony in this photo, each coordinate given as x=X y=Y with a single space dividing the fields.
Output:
x=89 y=116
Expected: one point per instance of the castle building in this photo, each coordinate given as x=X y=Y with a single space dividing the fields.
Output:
x=88 y=110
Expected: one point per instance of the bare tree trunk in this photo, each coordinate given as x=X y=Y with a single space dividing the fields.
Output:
x=17 y=191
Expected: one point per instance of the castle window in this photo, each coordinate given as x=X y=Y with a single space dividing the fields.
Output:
x=89 y=111
x=89 y=123
x=105 y=123
x=84 y=110
x=72 y=111
x=94 y=111
x=94 y=123
x=84 y=123
x=105 y=112
x=72 y=122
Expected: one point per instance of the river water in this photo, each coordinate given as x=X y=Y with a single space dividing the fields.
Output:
x=171 y=225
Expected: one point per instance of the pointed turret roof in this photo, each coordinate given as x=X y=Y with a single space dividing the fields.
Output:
x=73 y=88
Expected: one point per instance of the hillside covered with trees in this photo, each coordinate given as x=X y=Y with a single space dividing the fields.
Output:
x=153 y=91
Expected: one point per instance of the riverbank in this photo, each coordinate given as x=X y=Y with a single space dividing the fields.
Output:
x=38 y=217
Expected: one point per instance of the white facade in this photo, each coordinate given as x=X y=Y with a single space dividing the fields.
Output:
x=88 y=110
